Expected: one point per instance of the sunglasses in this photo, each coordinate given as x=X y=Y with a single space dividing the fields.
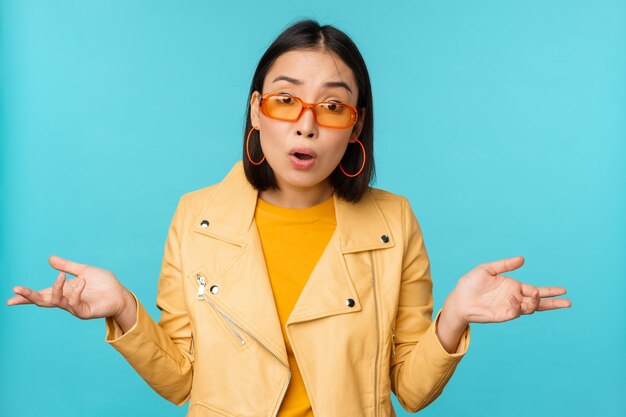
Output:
x=326 y=113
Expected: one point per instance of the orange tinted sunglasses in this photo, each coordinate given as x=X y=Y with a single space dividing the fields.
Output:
x=326 y=113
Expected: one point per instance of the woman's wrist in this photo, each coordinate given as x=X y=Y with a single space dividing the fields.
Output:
x=450 y=325
x=126 y=316
x=454 y=317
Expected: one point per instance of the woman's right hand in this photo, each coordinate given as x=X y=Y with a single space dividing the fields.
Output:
x=94 y=293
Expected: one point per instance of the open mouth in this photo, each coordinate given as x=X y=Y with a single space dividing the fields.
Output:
x=302 y=156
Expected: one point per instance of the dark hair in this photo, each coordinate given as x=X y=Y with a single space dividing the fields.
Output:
x=303 y=35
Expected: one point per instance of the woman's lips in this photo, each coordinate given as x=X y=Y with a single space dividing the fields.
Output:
x=302 y=158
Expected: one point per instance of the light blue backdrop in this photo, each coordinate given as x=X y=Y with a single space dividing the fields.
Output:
x=503 y=123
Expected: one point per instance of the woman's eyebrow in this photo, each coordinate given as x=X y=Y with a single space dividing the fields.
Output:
x=298 y=82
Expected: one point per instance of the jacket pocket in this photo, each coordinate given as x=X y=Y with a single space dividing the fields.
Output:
x=235 y=334
x=202 y=409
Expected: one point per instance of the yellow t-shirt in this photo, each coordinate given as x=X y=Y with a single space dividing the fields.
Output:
x=293 y=241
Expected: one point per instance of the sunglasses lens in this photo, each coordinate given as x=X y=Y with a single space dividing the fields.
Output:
x=333 y=115
x=283 y=107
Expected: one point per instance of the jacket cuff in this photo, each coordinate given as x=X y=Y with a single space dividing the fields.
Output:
x=435 y=346
x=120 y=340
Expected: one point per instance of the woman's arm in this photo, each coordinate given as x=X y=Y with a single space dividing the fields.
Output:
x=421 y=366
x=160 y=352
x=427 y=352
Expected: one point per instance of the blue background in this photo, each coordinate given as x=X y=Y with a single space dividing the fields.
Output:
x=503 y=123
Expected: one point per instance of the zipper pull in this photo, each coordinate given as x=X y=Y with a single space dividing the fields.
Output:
x=393 y=343
x=202 y=282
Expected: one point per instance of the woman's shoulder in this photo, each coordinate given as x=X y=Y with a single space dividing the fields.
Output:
x=388 y=199
x=199 y=196
x=395 y=207
x=380 y=194
x=398 y=213
x=234 y=180
x=195 y=198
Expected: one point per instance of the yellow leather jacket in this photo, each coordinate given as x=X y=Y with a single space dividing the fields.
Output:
x=361 y=327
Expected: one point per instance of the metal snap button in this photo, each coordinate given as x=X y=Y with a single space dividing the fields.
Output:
x=384 y=238
x=214 y=289
x=350 y=302
x=204 y=224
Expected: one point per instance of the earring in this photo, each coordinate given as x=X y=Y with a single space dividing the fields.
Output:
x=362 y=164
x=248 y=152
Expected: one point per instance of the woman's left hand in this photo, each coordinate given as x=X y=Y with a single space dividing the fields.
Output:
x=484 y=296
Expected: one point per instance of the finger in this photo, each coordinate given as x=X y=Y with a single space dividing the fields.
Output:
x=61 y=299
x=79 y=308
x=530 y=302
x=65 y=265
x=57 y=289
x=551 y=291
x=530 y=291
x=17 y=299
x=503 y=265
x=32 y=296
x=554 y=304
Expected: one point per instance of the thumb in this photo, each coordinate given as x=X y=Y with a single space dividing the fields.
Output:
x=65 y=265
x=504 y=265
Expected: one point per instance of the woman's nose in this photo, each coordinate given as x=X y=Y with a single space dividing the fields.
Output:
x=306 y=124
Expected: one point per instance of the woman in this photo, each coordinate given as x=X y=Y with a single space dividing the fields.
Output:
x=292 y=287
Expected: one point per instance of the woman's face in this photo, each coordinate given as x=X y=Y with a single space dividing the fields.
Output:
x=314 y=76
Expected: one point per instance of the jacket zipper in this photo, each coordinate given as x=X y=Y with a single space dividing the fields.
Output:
x=200 y=296
x=231 y=322
x=377 y=336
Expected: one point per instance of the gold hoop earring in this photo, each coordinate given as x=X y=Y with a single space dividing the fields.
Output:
x=362 y=164
x=248 y=151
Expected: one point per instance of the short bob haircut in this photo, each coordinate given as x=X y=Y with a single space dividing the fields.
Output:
x=309 y=35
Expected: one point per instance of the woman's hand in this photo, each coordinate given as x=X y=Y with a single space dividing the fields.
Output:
x=94 y=293
x=485 y=296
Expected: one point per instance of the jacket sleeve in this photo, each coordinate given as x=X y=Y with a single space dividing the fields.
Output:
x=161 y=352
x=420 y=367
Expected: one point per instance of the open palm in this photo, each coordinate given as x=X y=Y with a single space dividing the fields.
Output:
x=94 y=293
x=485 y=296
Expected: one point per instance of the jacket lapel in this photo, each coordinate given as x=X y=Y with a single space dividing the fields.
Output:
x=332 y=283
x=244 y=293
x=244 y=286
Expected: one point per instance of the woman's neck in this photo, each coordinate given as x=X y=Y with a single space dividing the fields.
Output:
x=297 y=197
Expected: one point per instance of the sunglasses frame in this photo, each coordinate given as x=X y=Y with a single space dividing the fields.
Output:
x=353 y=117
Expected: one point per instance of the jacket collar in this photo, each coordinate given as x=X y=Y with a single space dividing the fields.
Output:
x=361 y=226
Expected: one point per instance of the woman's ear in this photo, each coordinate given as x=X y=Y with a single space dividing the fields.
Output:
x=358 y=127
x=255 y=109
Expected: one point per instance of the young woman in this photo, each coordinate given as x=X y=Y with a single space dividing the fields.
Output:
x=293 y=288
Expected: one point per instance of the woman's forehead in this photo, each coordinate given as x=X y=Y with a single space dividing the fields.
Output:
x=311 y=69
